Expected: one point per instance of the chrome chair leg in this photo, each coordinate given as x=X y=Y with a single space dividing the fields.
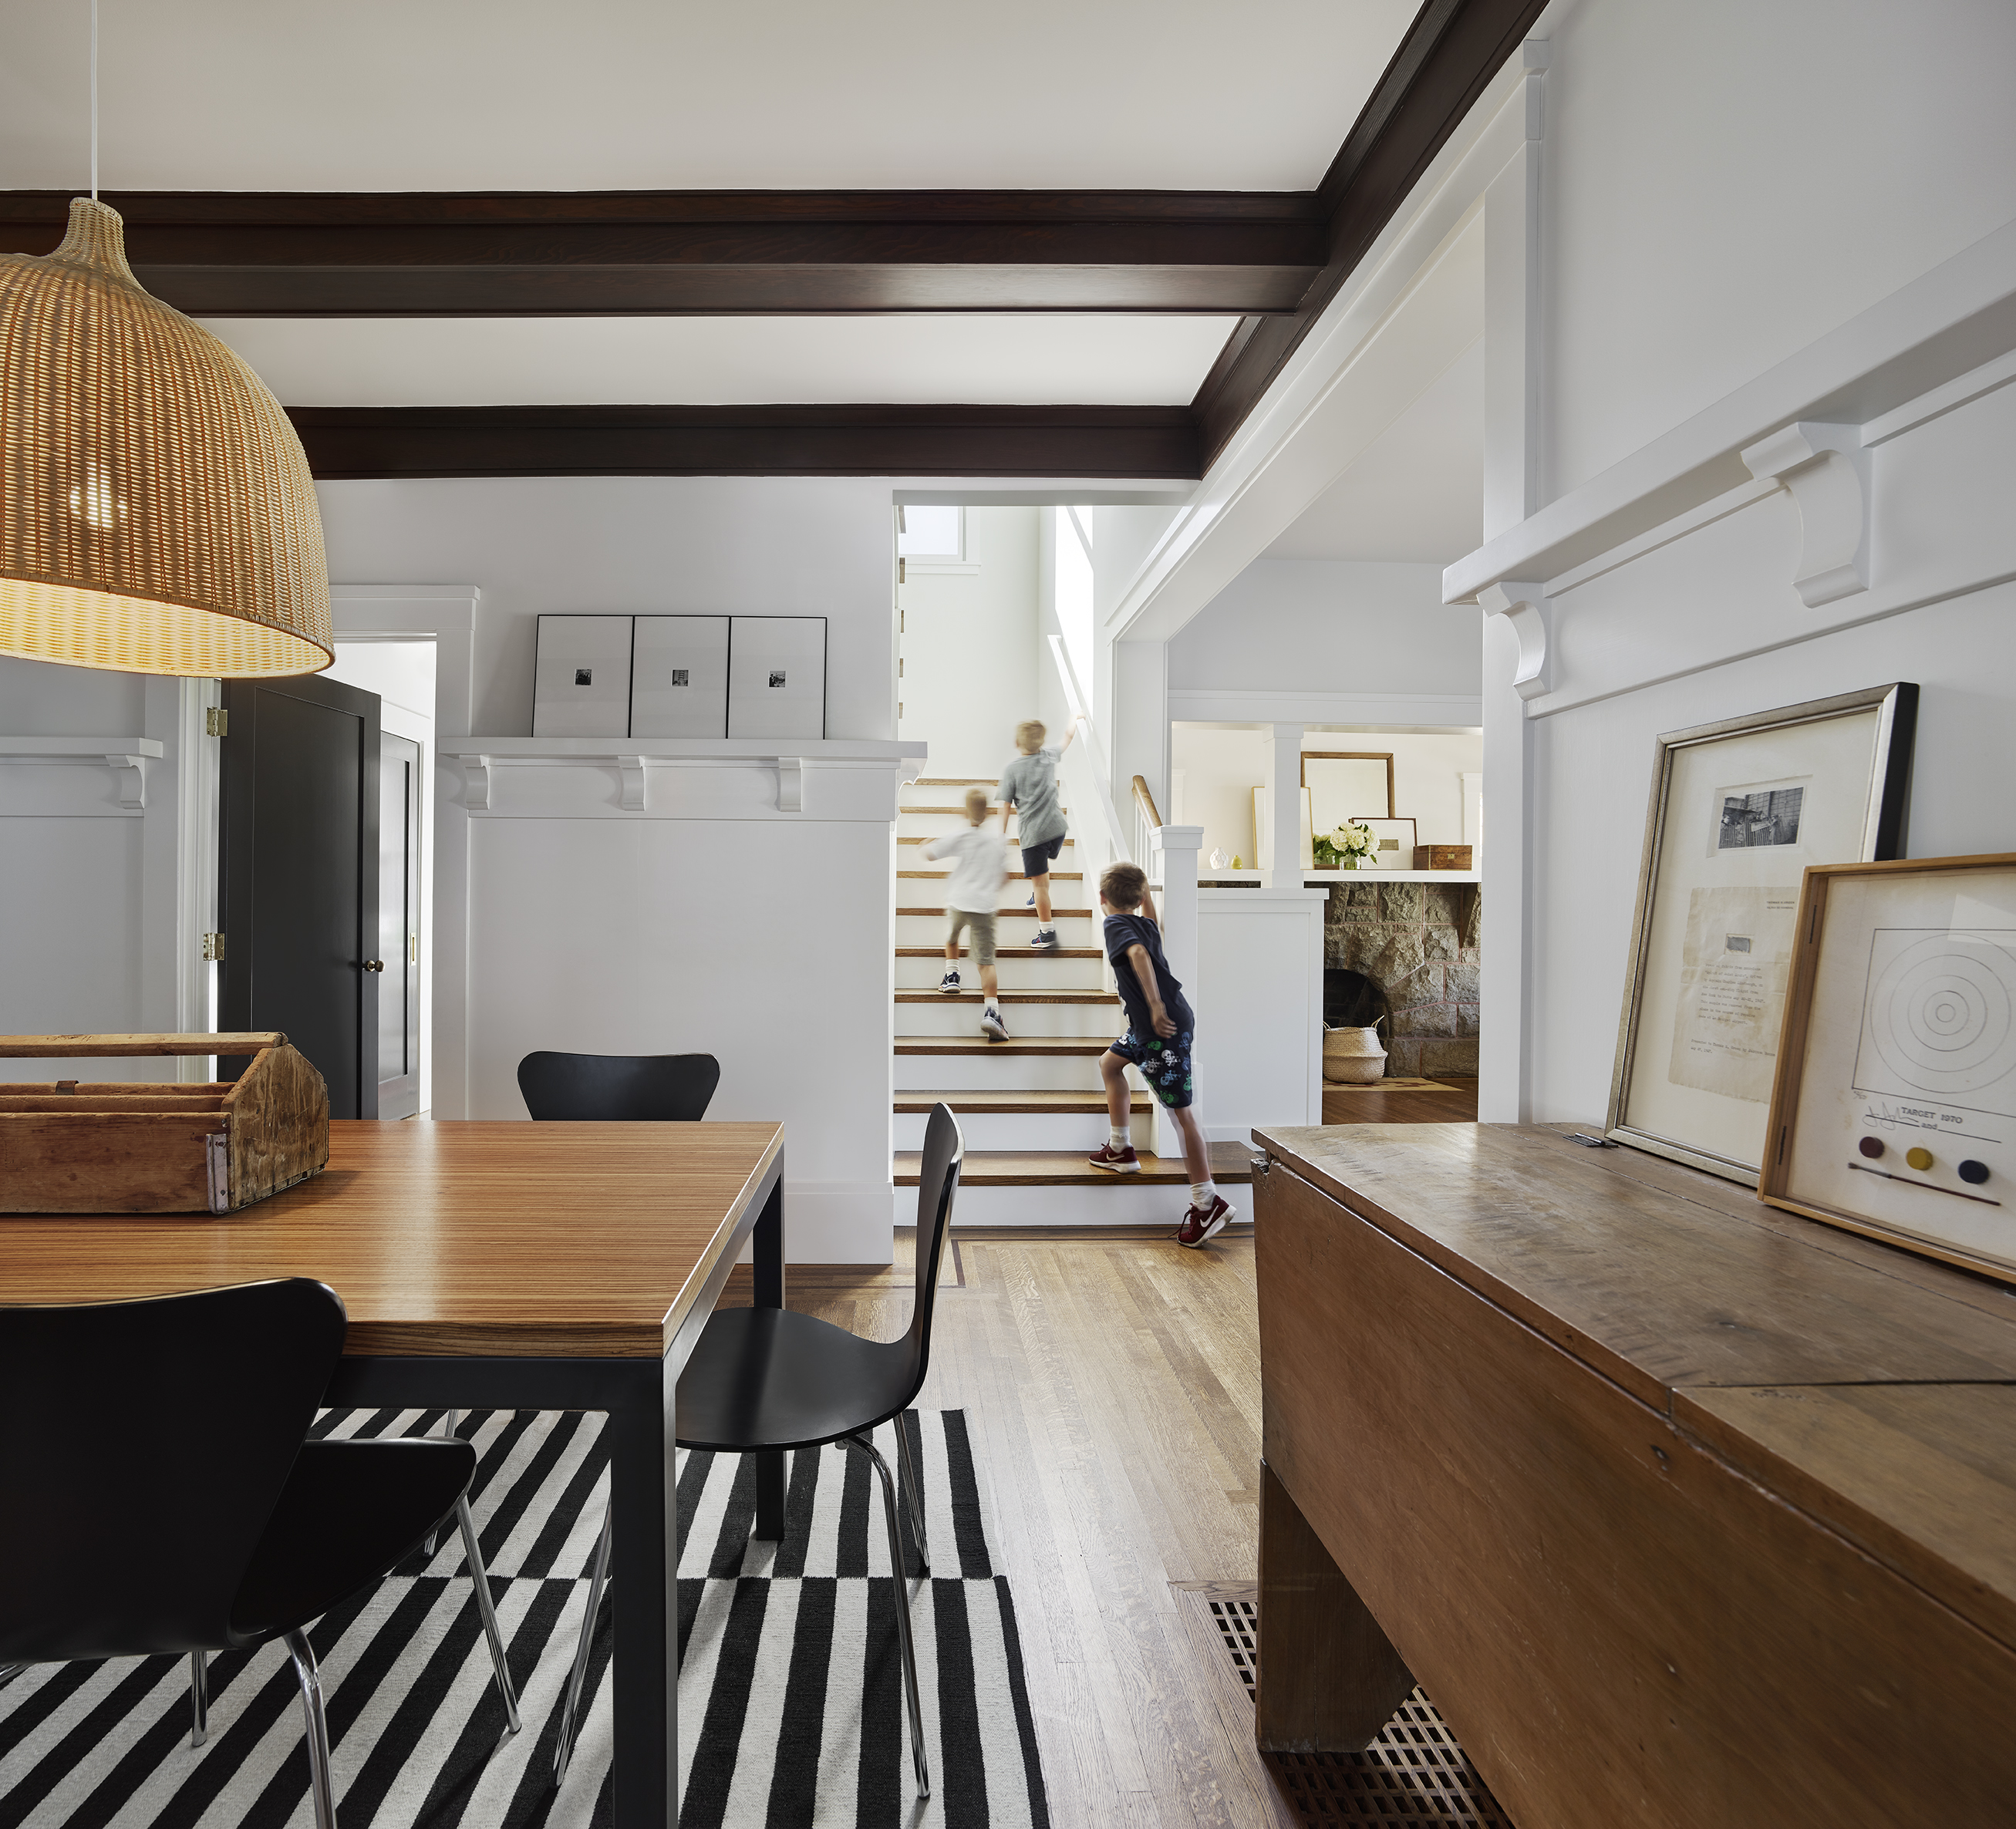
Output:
x=199 y=1699
x=564 y=1751
x=318 y=1726
x=902 y=1612
x=915 y=1489
x=450 y=1423
x=473 y=1551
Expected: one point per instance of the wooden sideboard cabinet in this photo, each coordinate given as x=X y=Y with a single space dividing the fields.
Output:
x=1683 y=1511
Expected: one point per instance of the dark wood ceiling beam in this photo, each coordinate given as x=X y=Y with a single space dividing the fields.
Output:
x=1451 y=52
x=601 y=253
x=1091 y=442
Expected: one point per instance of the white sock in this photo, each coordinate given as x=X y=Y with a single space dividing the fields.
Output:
x=1116 y=1137
x=1203 y=1193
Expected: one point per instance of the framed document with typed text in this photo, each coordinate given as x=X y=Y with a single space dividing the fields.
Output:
x=1739 y=810
x=1893 y=1112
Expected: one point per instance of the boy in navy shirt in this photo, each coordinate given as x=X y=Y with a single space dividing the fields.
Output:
x=1159 y=1029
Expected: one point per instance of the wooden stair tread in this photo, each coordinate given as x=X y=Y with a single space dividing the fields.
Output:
x=1067 y=1168
x=1080 y=1047
x=1048 y=1102
x=1009 y=997
x=959 y=812
x=1008 y=953
x=1056 y=913
x=935 y=836
x=940 y=875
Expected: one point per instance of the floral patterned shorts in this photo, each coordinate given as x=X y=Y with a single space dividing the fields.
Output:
x=1165 y=1065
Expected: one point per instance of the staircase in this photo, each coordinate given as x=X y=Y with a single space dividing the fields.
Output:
x=1031 y=1109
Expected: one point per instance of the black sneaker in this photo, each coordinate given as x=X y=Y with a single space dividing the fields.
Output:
x=1045 y=940
x=950 y=983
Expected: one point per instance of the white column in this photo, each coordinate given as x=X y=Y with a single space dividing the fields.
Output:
x=1283 y=868
x=1502 y=1094
x=1174 y=859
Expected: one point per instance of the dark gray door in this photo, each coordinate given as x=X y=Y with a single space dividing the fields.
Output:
x=298 y=888
x=399 y=926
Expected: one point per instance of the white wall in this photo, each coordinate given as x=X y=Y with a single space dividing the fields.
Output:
x=969 y=645
x=1727 y=181
x=1330 y=625
x=638 y=545
x=100 y=911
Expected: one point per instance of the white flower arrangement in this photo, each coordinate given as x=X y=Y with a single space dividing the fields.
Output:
x=1346 y=846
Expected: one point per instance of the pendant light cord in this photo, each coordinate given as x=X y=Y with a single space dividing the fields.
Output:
x=93 y=101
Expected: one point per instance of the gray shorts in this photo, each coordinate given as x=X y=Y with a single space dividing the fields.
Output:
x=983 y=933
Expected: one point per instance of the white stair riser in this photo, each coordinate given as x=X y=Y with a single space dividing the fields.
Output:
x=1014 y=974
x=999 y=1071
x=948 y=1016
x=1123 y=1200
x=1076 y=927
x=1073 y=1130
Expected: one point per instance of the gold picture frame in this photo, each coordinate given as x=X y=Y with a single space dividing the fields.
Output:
x=1738 y=810
x=1893 y=1108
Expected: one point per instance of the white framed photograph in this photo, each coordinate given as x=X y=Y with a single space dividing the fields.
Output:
x=1739 y=810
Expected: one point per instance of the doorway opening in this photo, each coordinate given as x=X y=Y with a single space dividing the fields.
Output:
x=400 y=671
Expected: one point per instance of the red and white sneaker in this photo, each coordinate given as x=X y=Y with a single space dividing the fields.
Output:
x=1203 y=1224
x=1121 y=1161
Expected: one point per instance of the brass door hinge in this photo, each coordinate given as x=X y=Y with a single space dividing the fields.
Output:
x=217 y=722
x=212 y=946
x=902 y=565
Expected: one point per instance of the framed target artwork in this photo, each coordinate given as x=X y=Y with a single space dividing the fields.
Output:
x=1893 y=1109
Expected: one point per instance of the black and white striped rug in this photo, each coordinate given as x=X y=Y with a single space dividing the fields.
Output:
x=791 y=1700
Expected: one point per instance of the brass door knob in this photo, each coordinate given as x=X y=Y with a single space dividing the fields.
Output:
x=374 y=964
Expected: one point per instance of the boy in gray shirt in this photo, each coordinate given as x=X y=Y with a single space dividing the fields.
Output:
x=1029 y=787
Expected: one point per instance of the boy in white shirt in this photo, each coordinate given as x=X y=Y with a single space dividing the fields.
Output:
x=979 y=860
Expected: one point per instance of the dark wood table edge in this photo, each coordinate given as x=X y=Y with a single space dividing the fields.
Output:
x=640 y=1395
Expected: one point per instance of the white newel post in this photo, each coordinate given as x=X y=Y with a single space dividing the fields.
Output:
x=1173 y=858
x=1284 y=866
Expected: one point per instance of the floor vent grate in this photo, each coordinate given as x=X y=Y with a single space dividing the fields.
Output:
x=1414 y=1773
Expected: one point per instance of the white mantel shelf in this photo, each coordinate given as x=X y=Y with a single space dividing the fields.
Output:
x=1207 y=876
x=784 y=761
x=680 y=749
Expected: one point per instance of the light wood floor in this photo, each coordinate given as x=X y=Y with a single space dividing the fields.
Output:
x=1112 y=1382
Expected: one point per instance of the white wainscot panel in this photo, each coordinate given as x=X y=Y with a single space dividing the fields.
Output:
x=1259 y=1009
x=664 y=935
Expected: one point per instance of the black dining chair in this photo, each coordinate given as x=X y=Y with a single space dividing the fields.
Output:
x=163 y=1496
x=767 y=1378
x=662 y=1089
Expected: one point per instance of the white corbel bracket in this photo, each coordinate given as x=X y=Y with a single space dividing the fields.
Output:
x=1825 y=470
x=791 y=783
x=476 y=783
x=636 y=783
x=129 y=774
x=1526 y=607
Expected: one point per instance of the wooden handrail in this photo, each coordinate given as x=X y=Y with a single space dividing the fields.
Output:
x=1145 y=798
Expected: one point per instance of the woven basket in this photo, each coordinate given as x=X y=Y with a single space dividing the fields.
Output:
x=1353 y=1056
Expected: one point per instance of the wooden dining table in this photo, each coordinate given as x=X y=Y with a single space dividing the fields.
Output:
x=500 y=1266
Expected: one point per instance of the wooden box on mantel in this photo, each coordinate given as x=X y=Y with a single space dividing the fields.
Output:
x=68 y=1146
x=1443 y=857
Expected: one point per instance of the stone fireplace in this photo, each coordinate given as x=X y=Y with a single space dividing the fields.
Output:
x=1418 y=942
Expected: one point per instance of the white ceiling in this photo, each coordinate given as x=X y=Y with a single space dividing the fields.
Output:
x=1026 y=359
x=502 y=95
x=1415 y=493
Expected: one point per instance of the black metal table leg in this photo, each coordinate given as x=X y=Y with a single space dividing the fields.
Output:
x=769 y=1256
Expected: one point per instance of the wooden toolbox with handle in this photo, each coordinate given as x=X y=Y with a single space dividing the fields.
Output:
x=128 y=1146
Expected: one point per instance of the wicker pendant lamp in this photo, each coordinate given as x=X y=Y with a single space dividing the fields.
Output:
x=157 y=514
